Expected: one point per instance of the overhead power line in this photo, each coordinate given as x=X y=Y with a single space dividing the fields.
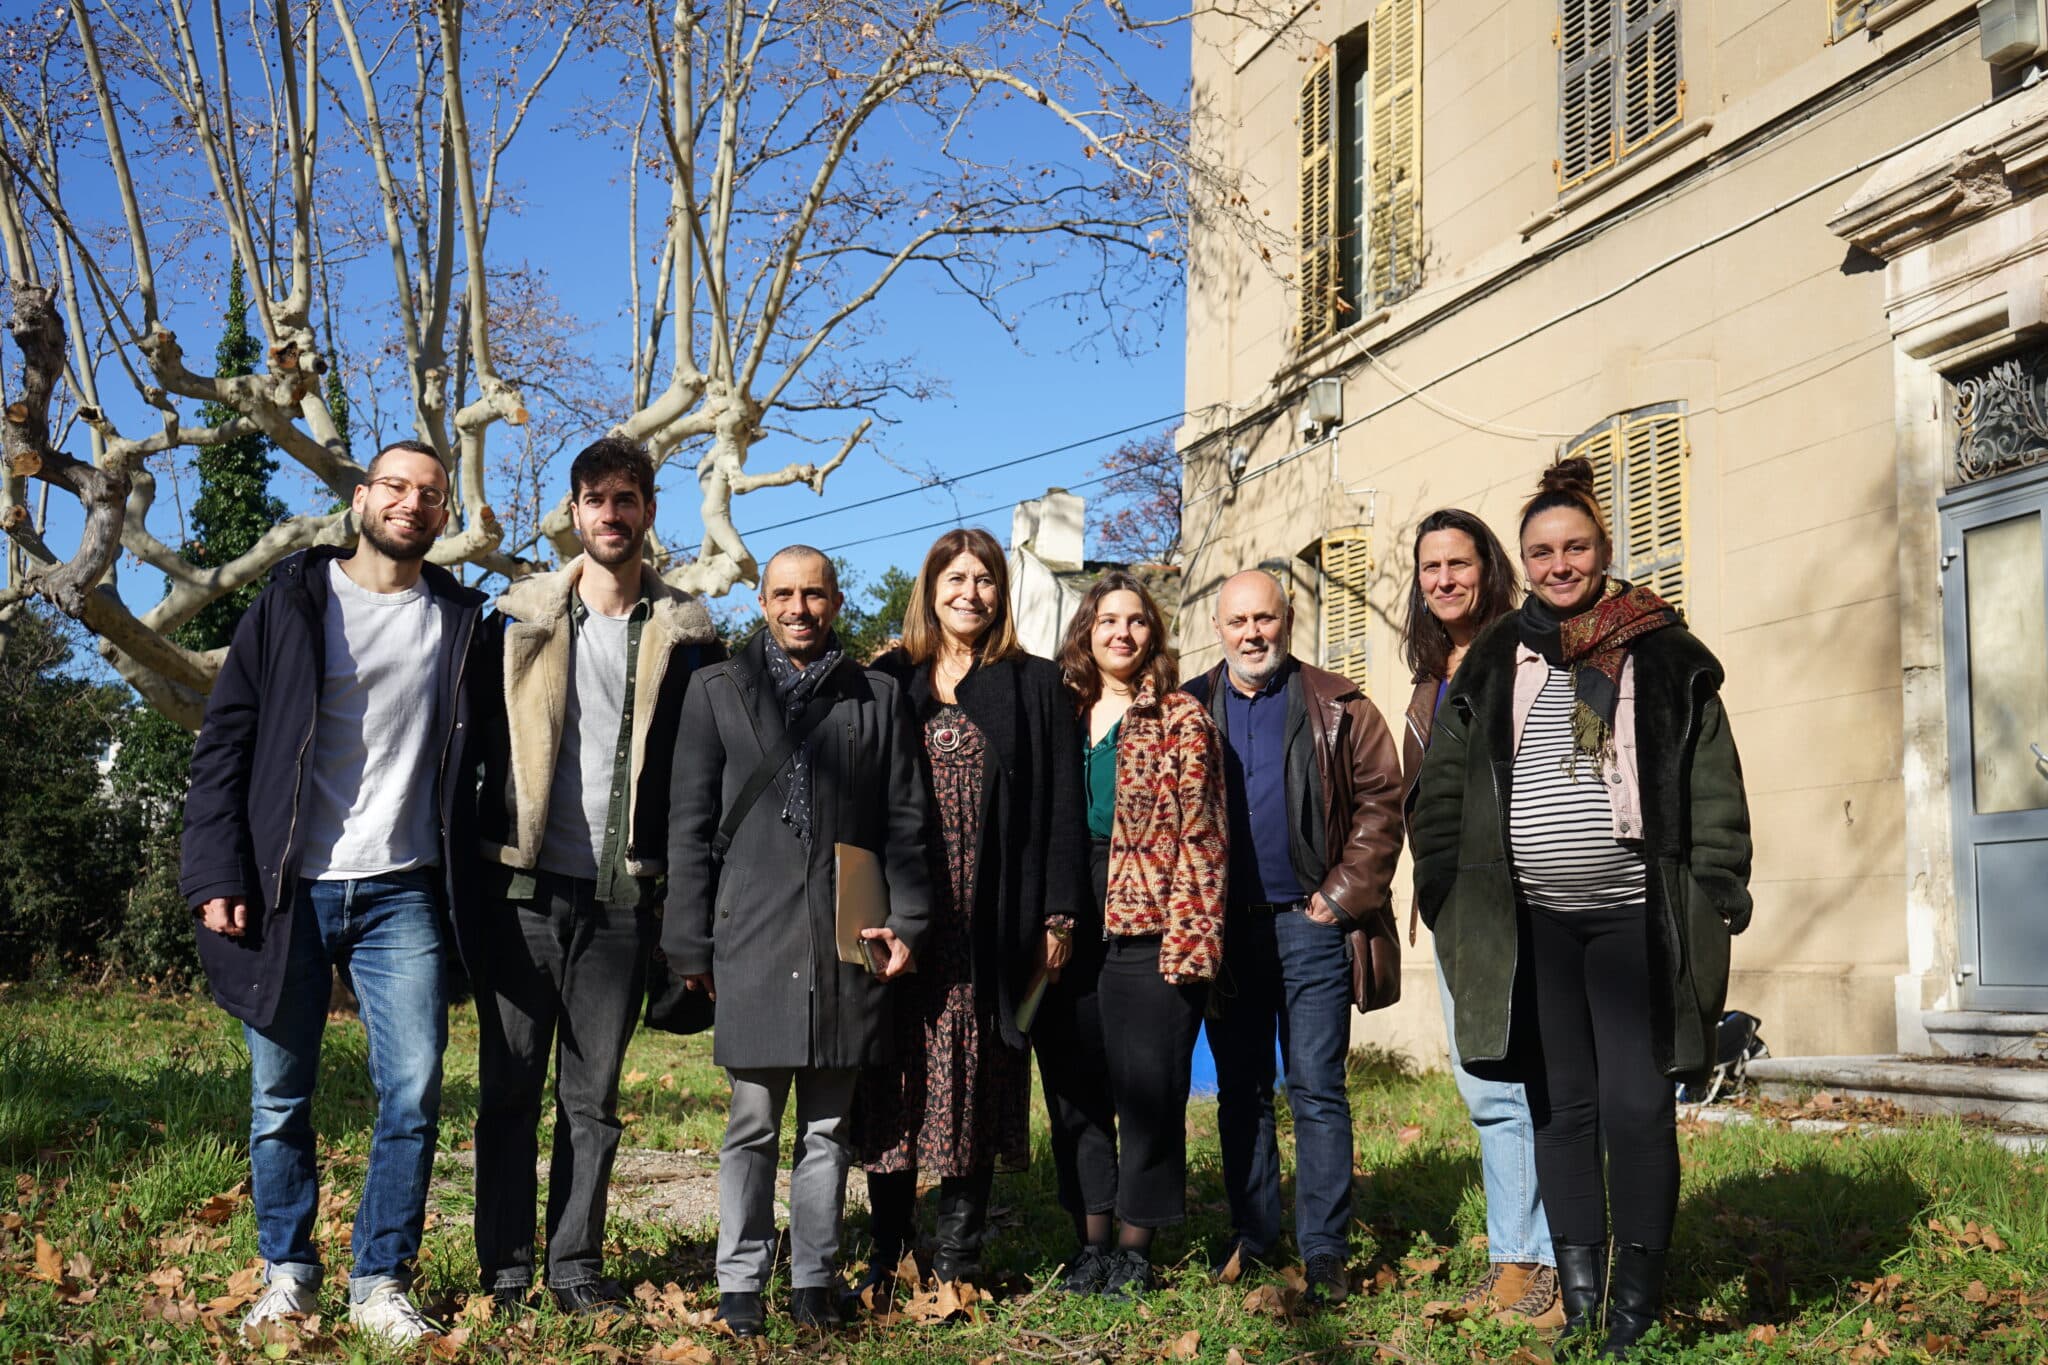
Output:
x=950 y=480
x=958 y=520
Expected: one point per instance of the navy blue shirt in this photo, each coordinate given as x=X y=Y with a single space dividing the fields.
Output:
x=1255 y=773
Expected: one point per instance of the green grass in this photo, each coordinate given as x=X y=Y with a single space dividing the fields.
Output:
x=123 y=1115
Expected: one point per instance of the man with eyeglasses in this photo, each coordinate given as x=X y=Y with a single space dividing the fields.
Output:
x=318 y=835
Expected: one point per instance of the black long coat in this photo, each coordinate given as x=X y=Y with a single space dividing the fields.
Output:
x=1034 y=854
x=243 y=836
x=761 y=919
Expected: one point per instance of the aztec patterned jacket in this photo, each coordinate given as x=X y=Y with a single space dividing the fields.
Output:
x=1168 y=848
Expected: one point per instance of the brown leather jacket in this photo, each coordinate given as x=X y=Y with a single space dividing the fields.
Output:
x=1356 y=776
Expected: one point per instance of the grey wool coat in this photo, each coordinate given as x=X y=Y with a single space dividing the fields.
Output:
x=761 y=919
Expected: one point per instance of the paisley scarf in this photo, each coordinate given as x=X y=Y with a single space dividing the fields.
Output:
x=1592 y=646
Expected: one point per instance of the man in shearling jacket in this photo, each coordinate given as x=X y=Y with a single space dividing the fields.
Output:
x=586 y=674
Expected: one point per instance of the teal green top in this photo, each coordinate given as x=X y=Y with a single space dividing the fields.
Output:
x=1101 y=765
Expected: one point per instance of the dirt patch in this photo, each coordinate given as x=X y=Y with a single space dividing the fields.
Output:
x=649 y=1186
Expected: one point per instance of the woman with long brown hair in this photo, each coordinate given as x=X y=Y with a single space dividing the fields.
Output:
x=1005 y=766
x=1582 y=796
x=1115 y=1045
x=1463 y=583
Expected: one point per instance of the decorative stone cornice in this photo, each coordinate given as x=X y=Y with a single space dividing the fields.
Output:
x=1975 y=168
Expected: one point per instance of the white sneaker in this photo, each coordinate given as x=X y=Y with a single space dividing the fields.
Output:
x=389 y=1314
x=281 y=1296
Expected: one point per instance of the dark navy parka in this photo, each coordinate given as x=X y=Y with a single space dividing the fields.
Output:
x=243 y=814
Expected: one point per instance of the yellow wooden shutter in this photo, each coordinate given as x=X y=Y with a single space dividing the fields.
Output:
x=1587 y=142
x=1599 y=447
x=1395 y=212
x=1347 y=618
x=1318 y=225
x=1652 y=549
x=1653 y=92
x=1844 y=17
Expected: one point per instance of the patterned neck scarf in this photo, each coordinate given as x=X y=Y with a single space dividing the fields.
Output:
x=794 y=688
x=1592 y=646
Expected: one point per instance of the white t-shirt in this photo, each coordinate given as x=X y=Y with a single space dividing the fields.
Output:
x=587 y=766
x=370 y=791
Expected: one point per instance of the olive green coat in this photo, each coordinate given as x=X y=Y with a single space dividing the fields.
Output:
x=1695 y=841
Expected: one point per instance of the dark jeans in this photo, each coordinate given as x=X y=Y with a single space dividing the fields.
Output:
x=1149 y=1029
x=567 y=978
x=1595 y=1084
x=1288 y=977
x=384 y=933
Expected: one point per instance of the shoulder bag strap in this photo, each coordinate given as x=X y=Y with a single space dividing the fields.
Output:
x=771 y=764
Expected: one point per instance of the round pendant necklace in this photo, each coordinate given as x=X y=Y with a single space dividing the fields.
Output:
x=946 y=738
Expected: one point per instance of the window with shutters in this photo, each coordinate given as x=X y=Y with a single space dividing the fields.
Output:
x=1620 y=86
x=1847 y=16
x=1360 y=206
x=1640 y=463
x=1346 y=618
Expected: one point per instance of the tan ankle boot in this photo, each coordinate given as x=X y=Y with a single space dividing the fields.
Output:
x=1539 y=1304
x=1502 y=1284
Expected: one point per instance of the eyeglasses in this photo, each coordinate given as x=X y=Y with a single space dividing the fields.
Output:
x=398 y=490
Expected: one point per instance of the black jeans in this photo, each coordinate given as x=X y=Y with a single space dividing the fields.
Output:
x=569 y=980
x=1149 y=1029
x=1115 y=1050
x=1595 y=1088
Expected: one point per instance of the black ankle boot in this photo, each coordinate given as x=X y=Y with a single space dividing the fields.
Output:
x=1581 y=1284
x=963 y=1221
x=1636 y=1297
x=892 y=1222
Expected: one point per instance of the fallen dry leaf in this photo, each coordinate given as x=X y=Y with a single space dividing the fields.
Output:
x=1423 y=1265
x=681 y=1352
x=1442 y=1311
x=1270 y=1299
x=222 y=1206
x=1409 y=1133
x=1233 y=1269
x=1186 y=1346
x=1764 y=1333
x=1976 y=1293
x=1233 y=1357
x=49 y=1262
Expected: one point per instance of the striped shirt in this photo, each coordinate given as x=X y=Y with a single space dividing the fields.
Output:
x=1561 y=823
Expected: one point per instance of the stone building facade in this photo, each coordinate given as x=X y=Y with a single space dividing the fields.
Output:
x=1778 y=266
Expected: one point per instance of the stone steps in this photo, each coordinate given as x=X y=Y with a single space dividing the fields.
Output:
x=1918 y=1085
x=1986 y=1033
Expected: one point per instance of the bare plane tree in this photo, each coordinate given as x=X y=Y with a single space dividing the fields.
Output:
x=805 y=156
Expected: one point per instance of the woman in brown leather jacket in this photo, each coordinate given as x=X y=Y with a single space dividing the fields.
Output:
x=1464 y=582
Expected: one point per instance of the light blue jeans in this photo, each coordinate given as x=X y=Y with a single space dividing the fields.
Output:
x=385 y=933
x=1516 y=1229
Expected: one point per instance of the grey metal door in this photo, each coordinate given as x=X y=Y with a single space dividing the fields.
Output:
x=1995 y=610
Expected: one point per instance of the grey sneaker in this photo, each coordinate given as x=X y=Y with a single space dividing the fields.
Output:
x=389 y=1313
x=282 y=1296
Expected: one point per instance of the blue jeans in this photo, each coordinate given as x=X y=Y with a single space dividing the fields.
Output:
x=1516 y=1229
x=385 y=933
x=1284 y=975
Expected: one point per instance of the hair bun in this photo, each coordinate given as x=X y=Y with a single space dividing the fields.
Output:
x=1573 y=475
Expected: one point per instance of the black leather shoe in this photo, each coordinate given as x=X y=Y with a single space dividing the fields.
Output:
x=1581 y=1284
x=509 y=1301
x=1128 y=1274
x=1237 y=1260
x=816 y=1309
x=1329 y=1284
x=1086 y=1271
x=590 y=1298
x=1634 y=1297
x=742 y=1313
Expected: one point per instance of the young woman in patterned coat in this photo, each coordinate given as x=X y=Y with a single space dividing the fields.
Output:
x=1010 y=879
x=1116 y=1043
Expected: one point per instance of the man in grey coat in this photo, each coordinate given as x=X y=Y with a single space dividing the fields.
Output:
x=751 y=916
